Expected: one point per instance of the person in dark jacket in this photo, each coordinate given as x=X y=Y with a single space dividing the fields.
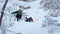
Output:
x=19 y=14
x=29 y=19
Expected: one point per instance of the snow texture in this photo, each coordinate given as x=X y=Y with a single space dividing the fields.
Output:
x=45 y=21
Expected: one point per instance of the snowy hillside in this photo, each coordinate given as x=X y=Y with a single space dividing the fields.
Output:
x=45 y=21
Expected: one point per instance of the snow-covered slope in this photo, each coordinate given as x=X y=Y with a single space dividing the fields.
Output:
x=39 y=15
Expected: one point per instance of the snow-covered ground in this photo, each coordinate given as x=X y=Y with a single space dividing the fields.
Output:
x=10 y=23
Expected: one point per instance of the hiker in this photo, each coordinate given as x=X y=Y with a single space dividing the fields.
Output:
x=18 y=14
x=29 y=19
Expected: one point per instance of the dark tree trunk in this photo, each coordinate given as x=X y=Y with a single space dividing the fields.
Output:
x=2 y=12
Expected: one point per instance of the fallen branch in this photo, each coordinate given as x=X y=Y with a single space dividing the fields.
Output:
x=13 y=32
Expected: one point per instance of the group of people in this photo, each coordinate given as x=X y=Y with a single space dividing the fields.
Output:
x=19 y=16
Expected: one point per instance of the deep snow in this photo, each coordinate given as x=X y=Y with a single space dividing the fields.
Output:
x=9 y=20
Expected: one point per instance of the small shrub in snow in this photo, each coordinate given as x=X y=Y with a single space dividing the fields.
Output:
x=50 y=24
x=54 y=13
x=50 y=4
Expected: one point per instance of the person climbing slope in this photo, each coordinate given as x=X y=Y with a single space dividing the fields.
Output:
x=18 y=14
x=29 y=19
